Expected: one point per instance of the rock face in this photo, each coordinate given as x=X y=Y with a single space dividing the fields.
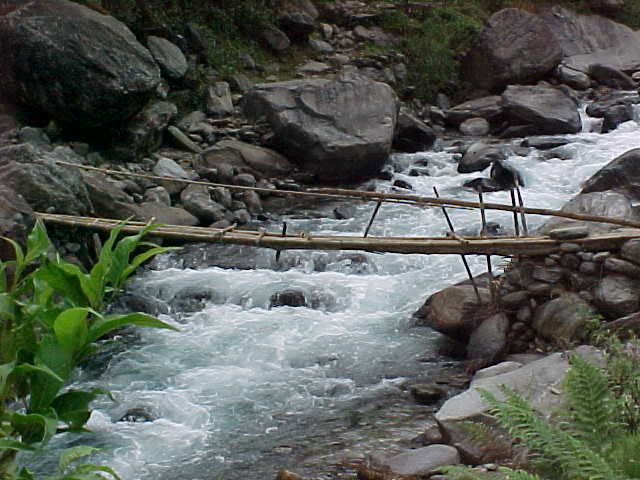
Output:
x=16 y=221
x=73 y=63
x=546 y=109
x=338 y=129
x=497 y=59
x=590 y=39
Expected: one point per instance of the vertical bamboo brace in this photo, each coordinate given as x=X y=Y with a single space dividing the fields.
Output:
x=373 y=216
x=515 y=213
x=284 y=232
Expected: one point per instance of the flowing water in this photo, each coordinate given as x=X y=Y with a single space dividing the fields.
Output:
x=243 y=389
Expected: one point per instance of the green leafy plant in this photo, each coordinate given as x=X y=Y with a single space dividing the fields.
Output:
x=593 y=440
x=50 y=321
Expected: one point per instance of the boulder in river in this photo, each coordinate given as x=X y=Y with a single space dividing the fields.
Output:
x=412 y=135
x=479 y=156
x=545 y=109
x=79 y=66
x=496 y=58
x=488 y=108
x=337 y=129
x=621 y=174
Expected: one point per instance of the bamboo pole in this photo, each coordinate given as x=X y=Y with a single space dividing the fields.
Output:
x=516 y=226
x=504 y=246
x=373 y=216
x=337 y=193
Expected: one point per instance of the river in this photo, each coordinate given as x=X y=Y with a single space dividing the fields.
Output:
x=243 y=389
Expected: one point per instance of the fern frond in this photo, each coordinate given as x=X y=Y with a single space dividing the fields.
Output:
x=591 y=405
x=510 y=474
x=550 y=445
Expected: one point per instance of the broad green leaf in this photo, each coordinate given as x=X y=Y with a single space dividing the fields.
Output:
x=18 y=252
x=25 y=474
x=74 y=453
x=63 y=282
x=72 y=330
x=25 y=368
x=44 y=388
x=92 y=291
x=113 y=321
x=8 y=307
x=37 y=242
x=34 y=428
x=88 y=469
x=15 y=445
x=143 y=257
x=3 y=276
x=5 y=371
x=72 y=407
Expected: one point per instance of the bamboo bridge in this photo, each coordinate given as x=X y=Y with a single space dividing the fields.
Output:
x=452 y=244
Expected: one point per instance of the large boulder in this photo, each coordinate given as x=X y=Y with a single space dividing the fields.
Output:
x=170 y=58
x=590 y=39
x=479 y=156
x=77 y=65
x=488 y=108
x=16 y=221
x=563 y=319
x=412 y=135
x=621 y=174
x=338 y=129
x=617 y=295
x=46 y=186
x=108 y=200
x=515 y=47
x=546 y=109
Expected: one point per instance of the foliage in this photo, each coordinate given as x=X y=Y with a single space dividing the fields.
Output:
x=50 y=321
x=594 y=441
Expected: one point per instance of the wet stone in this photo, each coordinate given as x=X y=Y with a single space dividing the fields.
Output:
x=589 y=268
x=569 y=247
x=138 y=415
x=631 y=250
x=569 y=233
x=622 y=266
x=513 y=300
x=427 y=394
x=586 y=256
x=289 y=298
x=403 y=184
x=570 y=260
x=548 y=275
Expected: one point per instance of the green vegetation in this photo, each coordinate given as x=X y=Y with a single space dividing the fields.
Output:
x=50 y=321
x=596 y=436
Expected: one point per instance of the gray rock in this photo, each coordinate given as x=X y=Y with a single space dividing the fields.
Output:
x=222 y=196
x=479 y=156
x=631 y=250
x=252 y=201
x=427 y=394
x=514 y=299
x=475 y=126
x=617 y=295
x=611 y=77
x=574 y=78
x=169 y=57
x=422 y=461
x=320 y=46
x=182 y=140
x=274 y=38
x=545 y=109
x=239 y=83
x=36 y=137
x=164 y=214
x=263 y=162
x=245 y=180
x=297 y=25
x=338 y=129
x=537 y=381
x=562 y=319
x=489 y=340
x=412 y=135
x=600 y=108
x=16 y=221
x=492 y=371
x=313 y=67
x=157 y=195
x=45 y=186
x=241 y=216
x=107 y=199
x=165 y=167
x=50 y=63
x=569 y=233
x=620 y=174
x=143 y=133
x=449 y=311
x=191 y=120
x=615 y=116
x=589 y=39
x=619 y=265
x=218 y=99
x=197 y=201
x=489 y=108
x=496 y=58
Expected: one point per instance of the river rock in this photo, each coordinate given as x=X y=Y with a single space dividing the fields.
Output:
x=297 y=25
x=218 y=99
x=475 y=126
x=574 y=78
x=496 y=58
x=489 y=340
x=16 y=221
x=618 y=265
x=420 y=461
x=196 y=200
x=590 y=39
x=108 y=200
x=488 y=108
x=183 y=141
x=274 y=38
x=158 y=195
x=625 y=328
x=45 y=186
x=562 y=319
x=51 y=63
x=143 y=133
x=450 y=311
x=602 y=203
x=621 y=174
x=163 y=214
x=338 y=129
x=165 y=167
x=616 y=116
x=479 y=156
x=546 y=109
x=611 y=77
x=290 y=298
x=600 y=108
x=169 y=57
x=537 y=381
x=263 y=162
x=617 y=295
x=631 y=250
x=427 y=394
x=412 y=135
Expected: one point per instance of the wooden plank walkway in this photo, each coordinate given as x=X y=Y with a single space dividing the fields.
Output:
x=504 y=246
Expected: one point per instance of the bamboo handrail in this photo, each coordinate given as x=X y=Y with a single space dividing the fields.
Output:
x=341 y=193
x=504 y=246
